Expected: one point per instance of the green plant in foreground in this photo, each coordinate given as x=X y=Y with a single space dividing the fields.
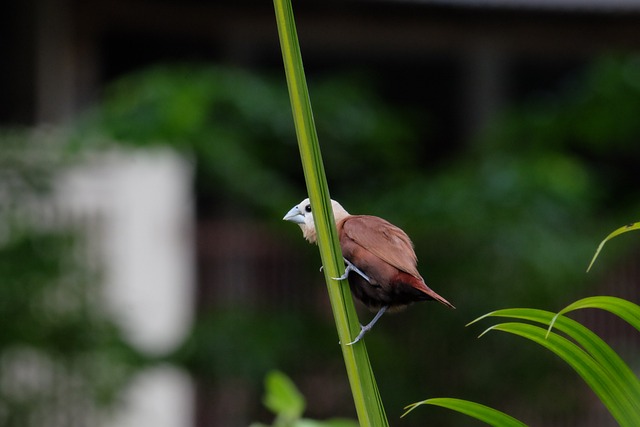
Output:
x=609 y=377
x=287 y=403
x=598 y=365
x=363 y=385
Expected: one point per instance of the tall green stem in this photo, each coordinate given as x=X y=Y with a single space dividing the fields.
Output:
x=363 y=385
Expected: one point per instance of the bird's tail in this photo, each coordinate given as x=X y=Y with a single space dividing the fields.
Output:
x=430 y=292
x=438 y=298
x=418 y=284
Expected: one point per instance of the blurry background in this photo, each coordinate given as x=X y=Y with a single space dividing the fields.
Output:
x=148 y=156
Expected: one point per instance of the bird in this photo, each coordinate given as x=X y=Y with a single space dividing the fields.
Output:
x=381 y=264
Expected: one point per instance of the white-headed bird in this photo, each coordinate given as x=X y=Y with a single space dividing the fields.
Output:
x=381 y=263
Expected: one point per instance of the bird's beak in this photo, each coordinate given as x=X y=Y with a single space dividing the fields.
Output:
x=294 y=215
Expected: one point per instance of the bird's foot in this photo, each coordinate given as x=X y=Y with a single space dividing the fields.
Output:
x=349 y=269
x=363 y=330
x=368 y=326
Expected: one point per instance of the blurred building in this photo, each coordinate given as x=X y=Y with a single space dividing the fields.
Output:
x=59 y=54
x=463 y=59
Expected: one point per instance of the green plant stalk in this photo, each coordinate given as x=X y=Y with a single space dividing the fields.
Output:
x=365 y=392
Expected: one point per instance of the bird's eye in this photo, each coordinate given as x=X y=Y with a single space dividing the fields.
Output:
x=307 y=208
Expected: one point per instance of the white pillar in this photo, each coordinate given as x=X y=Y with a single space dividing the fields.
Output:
x=138 y=208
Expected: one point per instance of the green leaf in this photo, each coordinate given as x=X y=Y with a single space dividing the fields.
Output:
x=282 y=397
x=623 y=229
x=480 y=412
x=622 y=308
x=600 y=367
x=610 y=393
x=364 y=389
x=585 y=338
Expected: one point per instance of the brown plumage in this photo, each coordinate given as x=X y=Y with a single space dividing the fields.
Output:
x=381 y=262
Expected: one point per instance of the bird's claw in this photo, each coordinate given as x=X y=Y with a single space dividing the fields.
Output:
x=366 y=328
x=350 y=268
x=344 y=276
x=363 y=330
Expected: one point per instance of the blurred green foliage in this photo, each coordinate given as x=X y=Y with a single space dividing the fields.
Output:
x=59 y=353
x=237 y=128
x=287 y=403
x=220 y=336
x=509 y=220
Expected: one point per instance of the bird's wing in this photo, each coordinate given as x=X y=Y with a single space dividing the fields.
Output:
x=384 y=240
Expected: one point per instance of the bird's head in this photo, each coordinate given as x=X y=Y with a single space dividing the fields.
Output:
x=302 y=215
